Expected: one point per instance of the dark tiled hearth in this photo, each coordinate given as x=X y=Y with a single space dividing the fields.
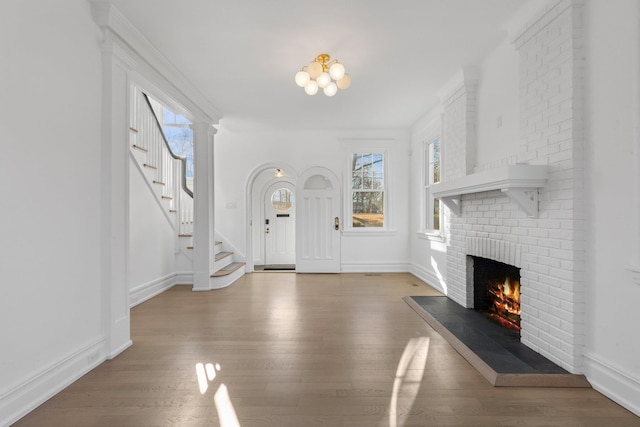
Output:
x=495 y=351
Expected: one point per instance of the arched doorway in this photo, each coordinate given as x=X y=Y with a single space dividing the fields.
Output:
x=256 y=187
x=279 y=226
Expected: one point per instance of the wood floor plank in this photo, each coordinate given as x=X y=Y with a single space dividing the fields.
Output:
x=304 y=350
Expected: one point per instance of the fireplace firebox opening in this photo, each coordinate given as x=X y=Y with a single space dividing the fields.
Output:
x=496 y=291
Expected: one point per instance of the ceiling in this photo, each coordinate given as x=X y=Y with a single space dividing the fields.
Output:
x=243 y=54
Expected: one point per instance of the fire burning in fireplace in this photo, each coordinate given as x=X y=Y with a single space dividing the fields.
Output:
x=505 y=307
x=497 y=291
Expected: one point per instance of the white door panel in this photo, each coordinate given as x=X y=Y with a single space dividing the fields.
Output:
x=280 y=224
x=318 y=238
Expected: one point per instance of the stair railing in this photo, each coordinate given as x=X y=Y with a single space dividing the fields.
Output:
x=170 y=168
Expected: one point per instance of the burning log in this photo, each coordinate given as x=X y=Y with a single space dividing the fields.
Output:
x=506 y=302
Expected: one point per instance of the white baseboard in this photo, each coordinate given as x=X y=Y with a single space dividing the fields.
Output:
x=374 y=267
x=184 y=278
x=428 y=276
x=148 y=290
x=611 y=381
x=18 y=401
x=115 y=353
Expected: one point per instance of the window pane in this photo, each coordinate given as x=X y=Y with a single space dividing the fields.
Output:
x=356 y=181
x=436 y=161
x=282 y=199
x=368 y=209
x=357 y=161
x=367 y=184
x=366 y=171
x=378 y=181
x=431 y=176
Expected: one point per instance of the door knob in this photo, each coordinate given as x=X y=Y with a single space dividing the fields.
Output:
x=337 y=223
x=267 y=230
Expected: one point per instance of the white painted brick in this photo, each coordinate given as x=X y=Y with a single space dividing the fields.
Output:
x=549 y=243
x=562 y=274
x=562 y=254
x=539 y=343
x=519 y=231
x=528 y=240
x=548 y=249
x=549 y=261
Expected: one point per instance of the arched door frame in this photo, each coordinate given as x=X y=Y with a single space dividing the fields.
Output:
x=291 y=176
x=268 y=187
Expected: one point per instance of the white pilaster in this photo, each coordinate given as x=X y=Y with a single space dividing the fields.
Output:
x=116 y=65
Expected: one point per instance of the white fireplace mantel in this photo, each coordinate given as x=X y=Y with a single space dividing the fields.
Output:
x=519 y=182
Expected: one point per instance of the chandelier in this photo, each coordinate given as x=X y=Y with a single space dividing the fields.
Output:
x=324 y=73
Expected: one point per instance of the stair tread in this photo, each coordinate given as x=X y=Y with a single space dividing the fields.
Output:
x=221 y=255
x=228 y=269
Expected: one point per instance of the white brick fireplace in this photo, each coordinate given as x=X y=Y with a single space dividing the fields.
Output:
x=526 y=210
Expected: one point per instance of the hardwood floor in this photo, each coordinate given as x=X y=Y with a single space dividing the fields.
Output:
x=286 y=349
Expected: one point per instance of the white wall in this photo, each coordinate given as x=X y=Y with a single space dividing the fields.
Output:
x=613 y=342
x=50 y=92
x=152 y=239
x=498 y=120
x=427 y=254
x=239 y=154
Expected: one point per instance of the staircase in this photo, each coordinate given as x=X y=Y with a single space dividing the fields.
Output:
x=226 y=269
x=165 y=175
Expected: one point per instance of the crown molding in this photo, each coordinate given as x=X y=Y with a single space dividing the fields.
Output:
x=467 y=76
x=120 y=31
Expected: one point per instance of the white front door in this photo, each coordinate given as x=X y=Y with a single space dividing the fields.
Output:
x=318 y=225
x=280 y=224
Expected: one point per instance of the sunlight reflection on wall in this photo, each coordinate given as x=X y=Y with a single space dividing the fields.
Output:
x=434 y=264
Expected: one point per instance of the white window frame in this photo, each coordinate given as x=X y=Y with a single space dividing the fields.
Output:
x=347 y=223
x=428 y=200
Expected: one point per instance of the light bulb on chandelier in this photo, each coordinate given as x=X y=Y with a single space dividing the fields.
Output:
x=324 y=73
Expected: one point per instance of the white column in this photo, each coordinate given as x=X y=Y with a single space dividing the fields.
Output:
x=203 y=222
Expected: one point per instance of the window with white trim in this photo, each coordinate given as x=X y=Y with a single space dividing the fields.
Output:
x=432 y=162
x=368 y=186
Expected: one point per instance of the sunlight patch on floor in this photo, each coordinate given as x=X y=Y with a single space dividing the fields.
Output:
x=226 y=411
x=408 y=379
x=206 y=373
